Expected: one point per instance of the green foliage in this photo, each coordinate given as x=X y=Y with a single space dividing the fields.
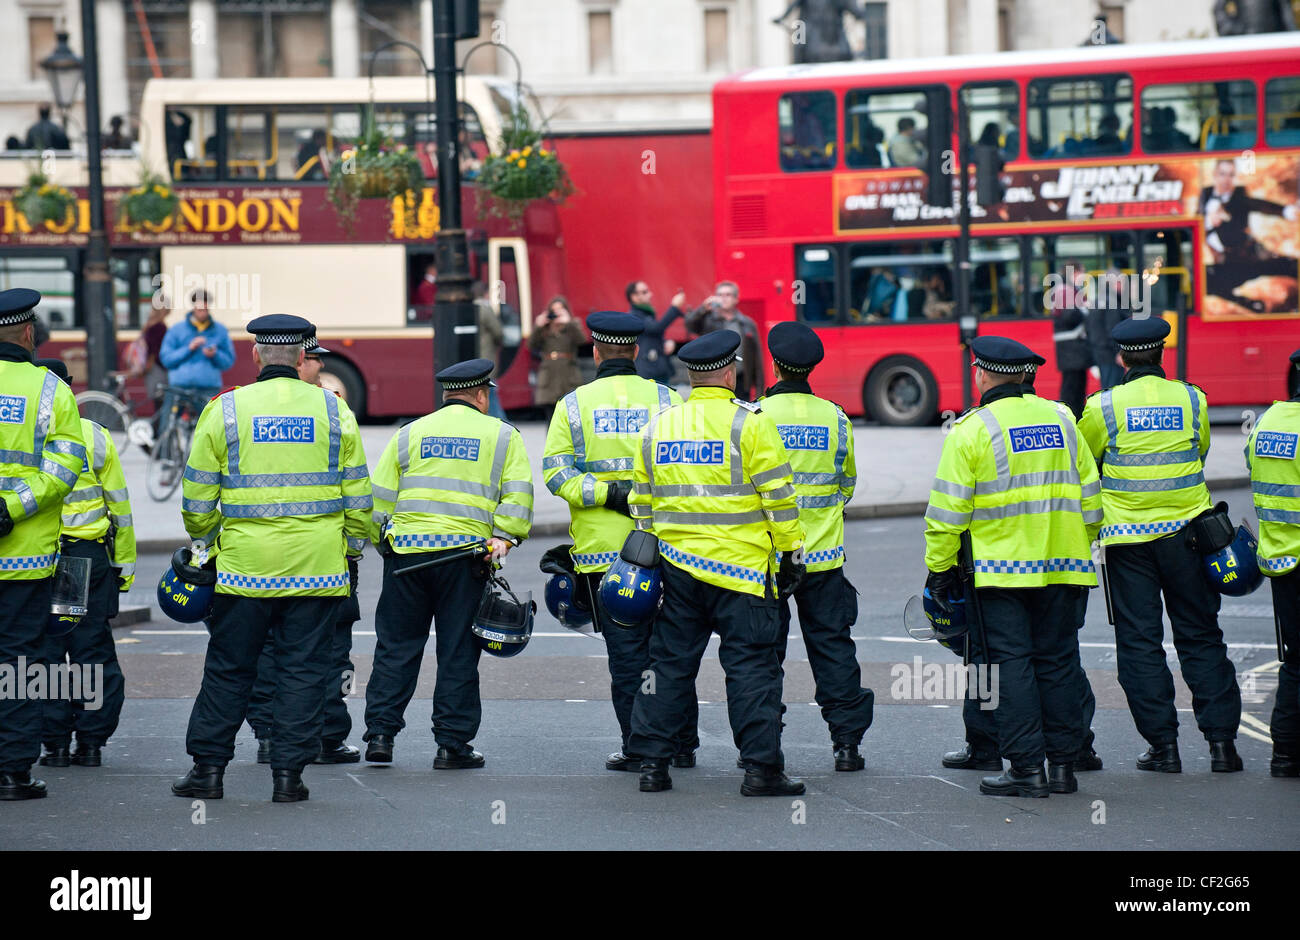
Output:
x=152 y=202
x=522 y=169
x=376 y=168
x=42 y=201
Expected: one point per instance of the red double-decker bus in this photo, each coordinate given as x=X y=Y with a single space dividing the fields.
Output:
x=1168 y=173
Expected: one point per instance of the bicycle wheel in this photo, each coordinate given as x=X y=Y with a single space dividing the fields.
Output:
x=166 y=464
x=109 y=413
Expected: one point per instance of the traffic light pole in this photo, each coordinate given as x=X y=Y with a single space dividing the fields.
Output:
x=455 y=332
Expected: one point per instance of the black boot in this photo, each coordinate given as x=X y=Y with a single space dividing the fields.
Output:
x=264 y=750
x=1286 y=760
x=288 y=786
x=87 y=755
x=620 y=761
x=1161 y=758
x=1030 y=781
x=332 y=752
x=459 y=758
x=685 y=759
x=1087 y=760
x=20 y=786
x=1224 y=758
x=203 y=780
x=57 y=755
x=769 y=781
x=379 y=749
x=967 y=759
x=654 y=776
x=1061 y=779
x=848 y=759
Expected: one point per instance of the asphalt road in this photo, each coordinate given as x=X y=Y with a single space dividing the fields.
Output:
x=548 y=725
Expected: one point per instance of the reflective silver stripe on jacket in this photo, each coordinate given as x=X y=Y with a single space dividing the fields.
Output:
x=45 y=411
x=766 y=476
x=232 y=432
x=710 y=518
x=317 y=507
x=101 y=448
x=88 y=492
x=1289 y=490
x=72 y=520
x=737 y=427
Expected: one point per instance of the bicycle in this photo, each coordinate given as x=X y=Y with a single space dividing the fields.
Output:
x=171 y=452
x=115 y=412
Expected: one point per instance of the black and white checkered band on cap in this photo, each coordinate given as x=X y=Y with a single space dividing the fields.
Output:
x=614 y=339
x=18 y=305
x=278 y=329
x=1009 y=368
x=786 y=367
x=715 y=364
x=1138 y=347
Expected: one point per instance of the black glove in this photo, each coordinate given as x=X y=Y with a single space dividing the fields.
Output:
x=791 y=573
x=944 y=585
x=616 y=498
x=7 y=523
x=354 y=574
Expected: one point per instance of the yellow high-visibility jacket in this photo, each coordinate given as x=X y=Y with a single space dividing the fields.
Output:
x=100 y=498
x=1274 y=462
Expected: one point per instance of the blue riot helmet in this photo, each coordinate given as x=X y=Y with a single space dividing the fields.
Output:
x=503 y=624
x=632 y=588
x=186 y=591
x=566 y=599
x=1234 y=570
x=925 y=619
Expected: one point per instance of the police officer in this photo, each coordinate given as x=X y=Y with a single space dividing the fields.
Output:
x=41 y=454
x=819 y=441
x=593 y=438
x=454 y=478
x=337 y=725
x=96 y=525
x=277 y=483
x=1271 y=455
x=1151 y=435
x=1016 y=474
x=712 y=481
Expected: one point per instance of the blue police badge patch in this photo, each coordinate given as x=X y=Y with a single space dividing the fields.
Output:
x=284 y=429
x=607 y=421
x=1276 y=444
x=695 y=452
x=449 y=448
x=805 y=436
x=1037 y=437
x=13 y=409
x=1157 y=418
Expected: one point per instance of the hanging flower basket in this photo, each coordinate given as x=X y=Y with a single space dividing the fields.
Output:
x=42 y=201
x=376 y=168
x=522 y=169
x=153 y=202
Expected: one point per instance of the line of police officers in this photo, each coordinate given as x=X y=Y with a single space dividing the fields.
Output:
x=747 y=503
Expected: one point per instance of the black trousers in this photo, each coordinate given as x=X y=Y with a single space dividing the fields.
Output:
x=301 y=628
x=1285 y=723
x=828 y=609
x=24 y=612
x=981 y=726
x=1074 y=386
x=448 y=596
x=337 y=724
x=750 y=630
x=1033 y=634
x=628 y=652
x=90 y=644
x=1139 y=574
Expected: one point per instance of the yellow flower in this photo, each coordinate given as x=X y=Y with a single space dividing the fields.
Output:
x=528 y=151
x=522 y=163
x=544 y=152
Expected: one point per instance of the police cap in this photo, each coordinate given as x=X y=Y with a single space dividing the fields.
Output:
x=710 y=351
x=58 y=367
x=18 y=305
x=795 y=347
x=468 y=374
x=999 y=354
x=614 y=327
x=1135 y=335
x=1033 y=366
x=278 y=329
x=309 y=344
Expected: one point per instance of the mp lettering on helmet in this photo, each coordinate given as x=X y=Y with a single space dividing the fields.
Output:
x=805 y=436
x=1275 y=444
x=611 y=421
x=1156 y=418
x=449 y=448
x=1037 y=437
x=284 y=429
x=694 y=452
x=13 y=409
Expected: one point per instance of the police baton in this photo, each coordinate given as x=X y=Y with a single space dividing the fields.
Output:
x=470 y=551
x=1103 y=575
x=1281 y=639
x=966 y=565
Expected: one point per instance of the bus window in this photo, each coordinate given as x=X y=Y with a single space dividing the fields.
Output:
x=806 y=130
x=814 y=287
x=995 y=277
x=1282 y=109
x=887 y=129
x=251 y=148
x=412 y=125
x=994 y=116
x=900 y=282
x=306 y=144
x=1080 y=117
x=1198 y=116
x=1087 y=260
x=1166 y=270
x=53 y=276
x=133 y=287
x=192 y=143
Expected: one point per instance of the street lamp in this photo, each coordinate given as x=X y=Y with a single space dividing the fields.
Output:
x=63 y=68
